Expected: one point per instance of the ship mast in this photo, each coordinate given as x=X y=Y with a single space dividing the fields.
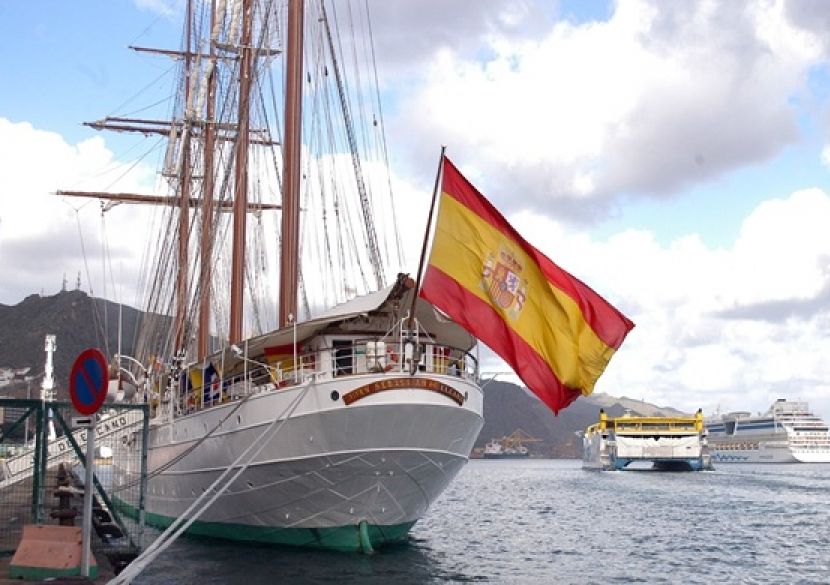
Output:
x=206 y=245
x=241 y=176
x=184 y=196
x=289 y=252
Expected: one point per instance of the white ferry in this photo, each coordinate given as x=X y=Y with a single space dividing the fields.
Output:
x=668 y=443
x=788 y=433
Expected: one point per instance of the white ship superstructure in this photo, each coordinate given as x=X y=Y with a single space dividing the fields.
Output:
x=668 y=443
x=787 y=433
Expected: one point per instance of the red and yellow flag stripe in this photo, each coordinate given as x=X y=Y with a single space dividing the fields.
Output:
x=556 y=333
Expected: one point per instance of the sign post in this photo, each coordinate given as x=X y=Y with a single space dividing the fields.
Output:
x=88 y=389
x=86 y=533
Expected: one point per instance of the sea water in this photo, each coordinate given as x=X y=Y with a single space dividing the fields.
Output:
x=548 y=521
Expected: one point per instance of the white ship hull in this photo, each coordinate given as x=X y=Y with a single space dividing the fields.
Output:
x=329 y=468
x=769 y=453
x=605 y=453
x=666 y=443
x=787 y=433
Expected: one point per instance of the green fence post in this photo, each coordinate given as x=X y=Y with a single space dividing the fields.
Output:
x=36 y=465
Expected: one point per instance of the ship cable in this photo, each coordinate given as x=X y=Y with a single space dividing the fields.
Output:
x=179 y=526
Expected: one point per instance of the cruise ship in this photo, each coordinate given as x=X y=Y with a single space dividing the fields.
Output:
x=788 y=433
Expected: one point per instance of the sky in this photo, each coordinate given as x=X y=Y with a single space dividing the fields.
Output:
x=672 y=154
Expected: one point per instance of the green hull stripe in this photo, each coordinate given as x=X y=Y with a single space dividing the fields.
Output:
x=341 y=538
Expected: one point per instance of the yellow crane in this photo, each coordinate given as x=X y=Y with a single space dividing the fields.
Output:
x=517 y=439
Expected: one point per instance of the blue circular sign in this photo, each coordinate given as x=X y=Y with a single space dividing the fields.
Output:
x=88 y=381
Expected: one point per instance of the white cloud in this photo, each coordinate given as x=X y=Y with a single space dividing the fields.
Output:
x=166 y=8
x=44 y=237
x=783 y=251
x=661 y=96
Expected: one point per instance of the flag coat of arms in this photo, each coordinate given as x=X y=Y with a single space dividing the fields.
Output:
x=556 y=333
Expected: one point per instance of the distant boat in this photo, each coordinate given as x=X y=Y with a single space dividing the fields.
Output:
x=495 y=450
x=509 y=447
x=787 y=433
x=668 y=443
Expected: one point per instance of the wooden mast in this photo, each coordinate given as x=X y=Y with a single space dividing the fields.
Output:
x=241 y=177
x=206 y=247
x=289 y=260
x=184 y=203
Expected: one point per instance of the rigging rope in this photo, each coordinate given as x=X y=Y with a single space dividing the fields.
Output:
x=161 y=468
x=96 y=317
x=382 y=136
x=179 y=526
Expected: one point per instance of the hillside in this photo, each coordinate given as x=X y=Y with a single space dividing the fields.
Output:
x=638 y=406
x=76 y=319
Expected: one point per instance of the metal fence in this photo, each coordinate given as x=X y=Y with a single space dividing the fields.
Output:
x=42 y=469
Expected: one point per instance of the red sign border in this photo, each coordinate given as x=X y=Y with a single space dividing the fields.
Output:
x=98 y=356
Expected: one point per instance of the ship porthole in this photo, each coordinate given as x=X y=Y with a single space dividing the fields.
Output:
x=335 y=395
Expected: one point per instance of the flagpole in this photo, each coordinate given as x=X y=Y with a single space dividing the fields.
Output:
x=426 y=239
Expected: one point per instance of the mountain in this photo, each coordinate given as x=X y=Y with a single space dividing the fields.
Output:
x=508 y=407
x=80 y=321
x=77 y=320
x=634 y=405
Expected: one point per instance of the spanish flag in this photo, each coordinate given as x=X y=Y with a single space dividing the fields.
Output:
x=282 y=358
x=553 y=330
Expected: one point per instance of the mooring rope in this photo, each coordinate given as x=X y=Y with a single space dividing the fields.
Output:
x=179 y=526
x=162 y=468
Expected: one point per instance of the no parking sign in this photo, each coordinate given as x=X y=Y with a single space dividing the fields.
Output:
x=88 y=381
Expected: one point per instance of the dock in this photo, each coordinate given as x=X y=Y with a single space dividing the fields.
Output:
x=62 y=500
x=105 y=573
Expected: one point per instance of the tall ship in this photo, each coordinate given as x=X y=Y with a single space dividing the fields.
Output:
x=628 y=441
x=334 y=427
x=788 y=432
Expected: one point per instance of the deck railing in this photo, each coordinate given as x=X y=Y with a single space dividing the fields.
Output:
x=363 y=356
